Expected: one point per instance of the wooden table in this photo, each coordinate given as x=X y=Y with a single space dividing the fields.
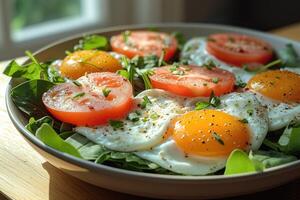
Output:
x=25 y=175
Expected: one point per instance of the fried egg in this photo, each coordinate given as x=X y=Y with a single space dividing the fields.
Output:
x=145 y=129
x=279 y=91
x=199 y=141
x=194 y=52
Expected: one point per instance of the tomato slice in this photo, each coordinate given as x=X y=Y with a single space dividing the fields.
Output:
x=239 y=49
x=144 y=43
x=91 y=100
x=193 y=81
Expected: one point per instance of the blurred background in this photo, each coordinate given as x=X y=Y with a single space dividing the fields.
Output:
x=31 y=24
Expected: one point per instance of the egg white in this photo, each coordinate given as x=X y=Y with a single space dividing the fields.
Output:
x=147 y=132
x=170 y=156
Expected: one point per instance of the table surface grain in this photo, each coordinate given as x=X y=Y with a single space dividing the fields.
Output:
x=25 y=175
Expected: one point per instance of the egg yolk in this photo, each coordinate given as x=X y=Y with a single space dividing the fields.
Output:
x=278 y=85
x=209 y=133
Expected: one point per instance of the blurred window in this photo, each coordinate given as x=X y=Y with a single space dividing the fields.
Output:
x=36 y=18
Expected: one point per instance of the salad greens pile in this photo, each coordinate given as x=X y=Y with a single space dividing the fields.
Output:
x=278 y=148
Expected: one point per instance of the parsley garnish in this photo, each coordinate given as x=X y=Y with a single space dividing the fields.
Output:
x=106 y=91
x=145 y=102
x=209 y=64
x=174 y=67
x=161 y=58
x=81 y=94
x=215 y=80
x=116 y=124
x=130 y=68
x=218 y=138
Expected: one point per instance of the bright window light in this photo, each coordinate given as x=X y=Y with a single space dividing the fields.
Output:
x=34 y=19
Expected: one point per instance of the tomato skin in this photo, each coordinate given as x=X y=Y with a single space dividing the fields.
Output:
x=195 y=82
x=86 y=105
x=143 y=43
x=81 y=62
x=239 y=50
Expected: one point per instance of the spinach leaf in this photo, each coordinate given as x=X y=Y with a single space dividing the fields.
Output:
x=49 y=137
x=289 y=56
x=28 y=97
x=33 y=124
x=92 y=42
x=239 y=162
x=271 y=158
x=290 y=140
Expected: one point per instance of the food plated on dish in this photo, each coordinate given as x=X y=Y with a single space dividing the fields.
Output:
x=151 y=101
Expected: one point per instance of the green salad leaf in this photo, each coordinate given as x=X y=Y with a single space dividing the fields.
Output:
x=271 y=158
x=33 y=125
x=99 y=154
x=90 y=42
x=289 y=56
x=34 y=70
x=49 y=137
x=28 y=97
x=239 y=162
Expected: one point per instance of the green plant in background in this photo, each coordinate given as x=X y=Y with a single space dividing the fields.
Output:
x=31 y=12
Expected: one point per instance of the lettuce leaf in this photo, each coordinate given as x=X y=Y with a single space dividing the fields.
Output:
x=49 y=137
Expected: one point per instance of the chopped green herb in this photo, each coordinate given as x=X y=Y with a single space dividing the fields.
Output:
x=239 y=83
x=218 y=138
x=245 y=121
x=178 y=72
x=213 y=100
x=250 y=112
x=174 y=67
x=116 y=124
x=146 y=101
x=202 y=105
x=106 y=91
x=231 y=39
x=77 y=83
x=81 y=94
x=154 y=116
x=215 y=80
x=210 y=64
x=134 y=117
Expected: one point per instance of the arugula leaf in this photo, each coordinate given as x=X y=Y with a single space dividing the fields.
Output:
x=289 y=56
x=33 y=124
x=28 y=97
x=271 y=158
x=92 y=42
x=49 y=137
x=30 y=71
x=180 y=39
x=239 y=162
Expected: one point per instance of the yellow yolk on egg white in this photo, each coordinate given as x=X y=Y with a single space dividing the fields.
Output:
x=278 y=85
x=209 y=133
